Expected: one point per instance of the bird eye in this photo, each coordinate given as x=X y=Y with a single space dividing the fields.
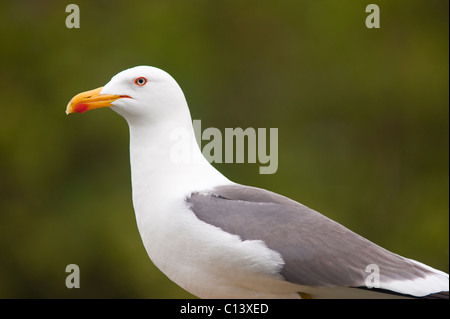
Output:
x=140 y=81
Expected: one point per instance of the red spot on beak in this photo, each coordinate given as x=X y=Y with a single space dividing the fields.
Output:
x=80 y=108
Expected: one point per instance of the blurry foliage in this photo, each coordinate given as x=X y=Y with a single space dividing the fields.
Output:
x=362 y=117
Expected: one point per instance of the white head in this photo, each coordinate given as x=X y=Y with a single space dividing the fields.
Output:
x=139 y=94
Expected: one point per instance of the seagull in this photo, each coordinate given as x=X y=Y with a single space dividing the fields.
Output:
x=219 y=239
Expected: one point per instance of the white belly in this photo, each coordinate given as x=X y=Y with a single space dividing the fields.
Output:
x=209 y=262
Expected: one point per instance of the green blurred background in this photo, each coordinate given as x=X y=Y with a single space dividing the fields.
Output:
x=362 y=116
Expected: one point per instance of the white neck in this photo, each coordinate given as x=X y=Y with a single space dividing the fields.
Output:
x=156 y=176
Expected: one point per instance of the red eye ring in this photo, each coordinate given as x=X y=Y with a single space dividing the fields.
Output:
x=141 y=81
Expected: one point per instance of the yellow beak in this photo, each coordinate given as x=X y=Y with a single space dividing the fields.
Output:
x=91 y=100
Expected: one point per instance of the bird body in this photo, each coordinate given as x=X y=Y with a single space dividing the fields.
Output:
x=219 y=239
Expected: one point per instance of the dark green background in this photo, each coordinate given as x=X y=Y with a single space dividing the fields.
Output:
x=362 y=116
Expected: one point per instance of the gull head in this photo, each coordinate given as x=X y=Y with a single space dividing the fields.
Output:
x=141 y=93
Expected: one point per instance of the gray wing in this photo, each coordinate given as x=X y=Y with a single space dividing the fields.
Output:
x=316 y=250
